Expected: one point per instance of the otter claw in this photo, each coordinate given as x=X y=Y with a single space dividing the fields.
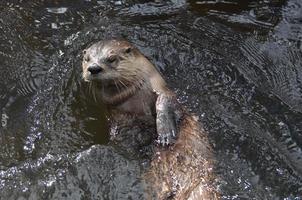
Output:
x=166 y=139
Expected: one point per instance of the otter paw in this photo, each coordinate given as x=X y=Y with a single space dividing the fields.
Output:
x=166 y=129
x=167 y=119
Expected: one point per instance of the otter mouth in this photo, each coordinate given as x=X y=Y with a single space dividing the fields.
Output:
x=94 y=77
x=113 y=89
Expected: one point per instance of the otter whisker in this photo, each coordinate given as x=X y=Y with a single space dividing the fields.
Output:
x=93 y=93
x=89 y=88
x=117 y=87
x=121 y=82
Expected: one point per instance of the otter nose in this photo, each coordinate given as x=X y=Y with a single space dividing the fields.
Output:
x=94 y=69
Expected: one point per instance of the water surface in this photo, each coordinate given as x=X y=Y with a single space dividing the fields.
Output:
x=236 y=65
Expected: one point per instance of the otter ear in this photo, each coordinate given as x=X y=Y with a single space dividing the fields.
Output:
x=84 y=51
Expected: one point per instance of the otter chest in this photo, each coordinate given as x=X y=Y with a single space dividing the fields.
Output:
x=143 y=103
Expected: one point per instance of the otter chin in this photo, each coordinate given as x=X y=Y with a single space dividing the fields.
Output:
x=138 y=101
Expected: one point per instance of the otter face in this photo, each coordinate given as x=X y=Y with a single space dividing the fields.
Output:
x=117 y=70
x=108 y=61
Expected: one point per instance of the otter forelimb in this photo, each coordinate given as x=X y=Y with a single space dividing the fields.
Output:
x=168 y=117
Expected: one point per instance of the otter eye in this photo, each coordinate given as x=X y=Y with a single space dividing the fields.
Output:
x=128 y=50
x=111 y=59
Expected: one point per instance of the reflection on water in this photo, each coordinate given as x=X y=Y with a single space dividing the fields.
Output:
x=236 y=64
x=249 y=15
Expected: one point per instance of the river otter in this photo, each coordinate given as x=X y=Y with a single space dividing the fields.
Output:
x=138 y=99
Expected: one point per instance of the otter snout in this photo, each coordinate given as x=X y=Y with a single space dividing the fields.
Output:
x=95 y=69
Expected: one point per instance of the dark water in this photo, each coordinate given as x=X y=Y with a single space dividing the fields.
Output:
x=238 y=65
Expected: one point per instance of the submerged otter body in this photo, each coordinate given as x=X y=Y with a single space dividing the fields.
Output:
x=139 y=102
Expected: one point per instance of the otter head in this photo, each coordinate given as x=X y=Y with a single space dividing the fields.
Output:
x=117 y=68
x=106 y=61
